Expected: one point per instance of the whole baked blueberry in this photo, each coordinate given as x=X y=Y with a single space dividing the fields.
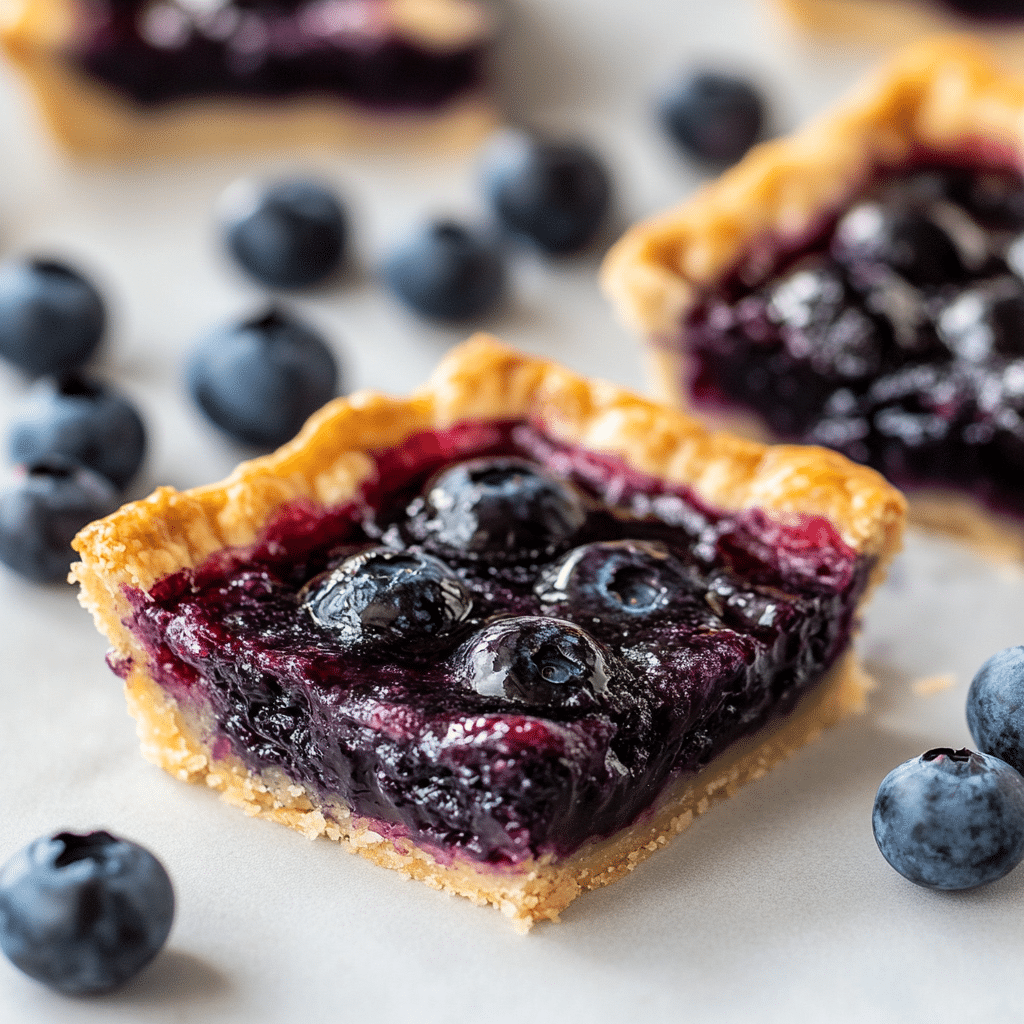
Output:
x=713 y=116
x=995 y=706
x=42 y=508
x=289 y=234
x=951 y=819
x=83 y=420
x=259 y=380
x=51 y=316
x=555 y=194
x=539 y=661
x=507 y=507
x=384 y=596
x=83 y=913
x=985 y=320
x=904 y=240
x=447 y=271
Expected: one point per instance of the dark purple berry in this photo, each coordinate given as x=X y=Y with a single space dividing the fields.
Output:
x=555 y=194
x=951 y=819
x=261 y=379
x=85 y=421
x=83 y=913
x=537 y=661
x=384 y=596
x=985 y=320
x=51 y=317
x=713 y=116
x=447 y=271
x=995 y=706
x=42 y=509
x=287 y=235
x=506 y=507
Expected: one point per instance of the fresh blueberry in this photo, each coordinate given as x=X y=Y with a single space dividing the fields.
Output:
x=904 y=240
x=951 y=819
x=538 y=661
x=623 y=579
x=508 y=507
x=51 y=317
x=713 y=116
x=995 y=706
x=287 y=235
x=83 y=913
x=555 y=194
x=85 y=421
x=42 y=509
x=387 y=596
x=261 y=379
x=447 y=271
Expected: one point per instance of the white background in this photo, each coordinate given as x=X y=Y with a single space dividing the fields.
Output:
x=775 y=907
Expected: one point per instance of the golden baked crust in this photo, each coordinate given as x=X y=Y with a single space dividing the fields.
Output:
x=944 y=96
x=93 y=120
x=480 y=381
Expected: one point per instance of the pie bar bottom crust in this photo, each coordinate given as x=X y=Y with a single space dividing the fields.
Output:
x=136 y=550
x=536 y=890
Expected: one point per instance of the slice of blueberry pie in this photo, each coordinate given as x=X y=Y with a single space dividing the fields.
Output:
x=507 y=636
x=165 y=77
x=861 y=285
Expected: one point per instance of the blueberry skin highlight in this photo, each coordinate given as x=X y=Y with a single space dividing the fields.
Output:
x=42 y=509
x=287 y=235
x=83 y=913
x=995 y=706
x=84 y=421
x=712 y=116
x=951 y=819
x=555 y=194
x=261 y=379
x=51 y=317
x=446 y=271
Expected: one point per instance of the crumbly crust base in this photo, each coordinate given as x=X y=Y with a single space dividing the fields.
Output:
x=945 y=95
x=480 y=381
x=93 y=120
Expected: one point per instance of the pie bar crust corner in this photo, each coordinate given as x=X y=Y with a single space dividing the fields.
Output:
x=92 y=119
x=480 y=381
x=946 y=95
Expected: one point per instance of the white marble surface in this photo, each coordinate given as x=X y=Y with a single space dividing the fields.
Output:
x=774 y=907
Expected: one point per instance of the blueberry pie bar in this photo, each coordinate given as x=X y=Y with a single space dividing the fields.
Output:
x=861 y=285
x=115 y=78
x=507 y=636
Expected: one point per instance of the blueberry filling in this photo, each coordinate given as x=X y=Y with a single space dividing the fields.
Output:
x=896 y=336
x=164 y=51
x=502 y=703
x=994 y=10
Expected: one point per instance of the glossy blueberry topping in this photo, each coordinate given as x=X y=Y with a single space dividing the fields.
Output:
x=537 y=661
x=51 y=316
x=995 y=706
x=83 y=913
x=447 y=271
x=951 y=819
x=507 y=507
x=895 y=336
x=84 y=421
x=555 y=194
x=500 y=700
x=42 y=508
x=259 y=380
x=713 y=116
x=382 y=596
x=290 y=234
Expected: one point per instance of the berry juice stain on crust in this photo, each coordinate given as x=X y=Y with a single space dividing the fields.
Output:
x=894 y=337
x=506 y=653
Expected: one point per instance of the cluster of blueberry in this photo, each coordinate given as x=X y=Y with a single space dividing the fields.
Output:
x=954 y=819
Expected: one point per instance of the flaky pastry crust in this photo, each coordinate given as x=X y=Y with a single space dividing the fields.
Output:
x=943 y=96
x=94 y=120
x=326 y=464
